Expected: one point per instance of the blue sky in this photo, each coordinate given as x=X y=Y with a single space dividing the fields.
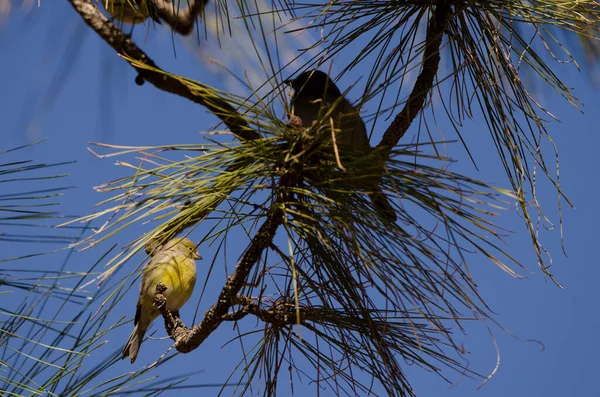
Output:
x=99 y=101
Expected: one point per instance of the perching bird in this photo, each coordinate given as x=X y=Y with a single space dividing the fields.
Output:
x=131 y=12
x=173 y=265
x=314 y=94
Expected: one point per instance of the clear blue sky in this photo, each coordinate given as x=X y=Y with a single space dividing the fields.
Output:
x=99 y=101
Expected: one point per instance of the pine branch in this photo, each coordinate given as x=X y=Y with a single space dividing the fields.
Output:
x=124 y=46
x=424 y=82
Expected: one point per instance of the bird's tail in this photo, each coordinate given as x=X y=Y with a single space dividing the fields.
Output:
x=382 y=206
x=133 y=344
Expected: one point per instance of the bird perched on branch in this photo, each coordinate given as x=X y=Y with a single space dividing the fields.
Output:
x=131 y=12
x=314 y=96
x=174 y=266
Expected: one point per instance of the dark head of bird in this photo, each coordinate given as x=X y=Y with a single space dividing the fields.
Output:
x=314 y=84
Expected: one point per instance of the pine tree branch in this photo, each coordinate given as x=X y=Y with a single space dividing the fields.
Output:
x=124 y=46
x=424 y=82
x=281 y=313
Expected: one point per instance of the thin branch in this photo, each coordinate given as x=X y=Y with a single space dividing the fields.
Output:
x=126 y=47
x=424 y=82
x=284 y=312
x=281 y=313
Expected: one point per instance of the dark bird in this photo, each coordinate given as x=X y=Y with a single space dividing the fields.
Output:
x=314 y=95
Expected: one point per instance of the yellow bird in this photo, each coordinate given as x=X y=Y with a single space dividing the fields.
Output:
x=173 y=265
x=131 y=12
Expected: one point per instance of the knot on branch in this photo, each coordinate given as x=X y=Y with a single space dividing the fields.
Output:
x=280 y=314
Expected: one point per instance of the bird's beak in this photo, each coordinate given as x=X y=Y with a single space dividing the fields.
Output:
x=288 y=81
x=197 y=255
